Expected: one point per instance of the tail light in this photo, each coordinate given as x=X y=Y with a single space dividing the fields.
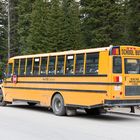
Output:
x=117 y=78
x=115 y=51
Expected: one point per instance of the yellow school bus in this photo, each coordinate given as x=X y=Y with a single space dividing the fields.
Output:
x=90 y=79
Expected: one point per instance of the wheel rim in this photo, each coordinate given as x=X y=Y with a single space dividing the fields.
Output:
x=57 y=105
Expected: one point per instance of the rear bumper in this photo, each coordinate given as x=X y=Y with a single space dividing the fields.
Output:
x=111 y=103
x=108 y=103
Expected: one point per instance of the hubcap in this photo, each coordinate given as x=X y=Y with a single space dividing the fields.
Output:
x=57 y=105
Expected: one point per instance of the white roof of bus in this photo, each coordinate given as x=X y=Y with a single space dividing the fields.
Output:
x=69 y=52
x=63 y=53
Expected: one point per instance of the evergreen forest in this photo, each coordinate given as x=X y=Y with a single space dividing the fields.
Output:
x=41 y=26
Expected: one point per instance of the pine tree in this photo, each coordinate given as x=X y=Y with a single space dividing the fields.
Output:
x=24 y=9
x=38 y=33
x=72 y=24
x=64 y=32
x=56 y=30
x=101 y=22
x=14 y=41
x=3 y=37
x=133 y=22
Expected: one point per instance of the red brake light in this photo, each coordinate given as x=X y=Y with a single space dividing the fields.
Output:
x=115 y=51
x=117 y=79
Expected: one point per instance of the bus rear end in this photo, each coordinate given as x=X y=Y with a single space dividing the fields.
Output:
x=125 y=75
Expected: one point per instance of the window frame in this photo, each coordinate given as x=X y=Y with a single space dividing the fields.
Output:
x=73 y=64
x=113 y=65
x=17 y=67
x=41 y=58
x=31 y=72
x=7 y=73
x=125 y=59
x=60 y=56
x=83 y=54
x=23 y=67
x=36 y=66
x=48 y=68
x=95 y=54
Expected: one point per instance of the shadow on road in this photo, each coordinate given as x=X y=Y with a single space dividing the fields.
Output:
x=33 y=108
x=105 y=117
x=81 y=114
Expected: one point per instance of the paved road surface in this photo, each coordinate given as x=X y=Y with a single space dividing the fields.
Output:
x=21 y=122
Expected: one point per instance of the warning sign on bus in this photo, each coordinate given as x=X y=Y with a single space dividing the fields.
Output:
x=130 y=51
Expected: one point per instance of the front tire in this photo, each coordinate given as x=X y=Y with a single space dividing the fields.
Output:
x=2 y=102
x=58 y=105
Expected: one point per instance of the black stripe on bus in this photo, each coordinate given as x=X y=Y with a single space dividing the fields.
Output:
x=72 y=90
x=66 y=75
x=75 y=83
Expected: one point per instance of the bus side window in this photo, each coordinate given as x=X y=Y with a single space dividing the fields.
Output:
x=79 y=69
x=22 y=67
x=43 y=66
x=60 y=65
x=70 y=64
x=29 y=67
x=36 y=66
x=16 y=66
x=92 y=61
x=117 y=64
x=51 y=69
x=9 y=70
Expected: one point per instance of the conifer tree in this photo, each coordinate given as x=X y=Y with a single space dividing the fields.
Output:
x=100 y=22
x=72 y=24
x=64 y=25
x=38 y=33
x=3 y=35
x=133 y=22
x=14 y=40
x=55 y=24
x=24 y=9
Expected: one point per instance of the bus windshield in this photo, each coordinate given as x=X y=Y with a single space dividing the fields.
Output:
x=132 y=66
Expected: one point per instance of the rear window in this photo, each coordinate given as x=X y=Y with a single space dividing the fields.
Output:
x=117 y=64
x=132 y=66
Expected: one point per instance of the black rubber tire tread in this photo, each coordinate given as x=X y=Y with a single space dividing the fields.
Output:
x=62 y=110
x=31 y=103
x=2 y=102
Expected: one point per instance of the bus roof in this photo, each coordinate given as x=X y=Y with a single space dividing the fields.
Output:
x=63 y=53
x=70 y=52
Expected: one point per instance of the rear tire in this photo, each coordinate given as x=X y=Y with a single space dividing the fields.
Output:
x=31 y=103
x=58 y=105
